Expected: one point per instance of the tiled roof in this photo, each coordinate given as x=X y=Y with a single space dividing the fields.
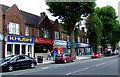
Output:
x=29 y=18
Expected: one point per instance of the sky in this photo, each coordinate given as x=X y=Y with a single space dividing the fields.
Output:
x=38 y=6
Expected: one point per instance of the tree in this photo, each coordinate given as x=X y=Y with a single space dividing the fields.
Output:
x=107 y=15
x=94 y=31
x=70 y=14
x=114 y=35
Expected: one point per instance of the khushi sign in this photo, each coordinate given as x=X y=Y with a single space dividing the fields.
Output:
x=22 y=39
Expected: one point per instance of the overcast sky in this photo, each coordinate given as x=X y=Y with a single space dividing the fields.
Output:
x=37 y=6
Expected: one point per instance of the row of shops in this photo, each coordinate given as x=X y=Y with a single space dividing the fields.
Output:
x=34 y=47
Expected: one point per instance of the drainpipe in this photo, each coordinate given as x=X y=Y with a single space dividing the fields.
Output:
x=3 y=53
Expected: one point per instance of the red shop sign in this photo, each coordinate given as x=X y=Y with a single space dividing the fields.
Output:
x=42 y=40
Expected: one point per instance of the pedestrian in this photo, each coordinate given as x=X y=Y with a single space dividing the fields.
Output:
x=49 y=55
x=80 y=51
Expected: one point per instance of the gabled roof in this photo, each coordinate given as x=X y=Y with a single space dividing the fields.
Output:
x=29 y=18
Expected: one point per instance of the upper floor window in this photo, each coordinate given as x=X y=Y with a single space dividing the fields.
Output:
x=27 y=30
x=87 y=40
x=67 y=38
x=79 y=39
x=62 y=35
x=14 y=28
x=56 y=35
x=46 y=34
x=37 y=32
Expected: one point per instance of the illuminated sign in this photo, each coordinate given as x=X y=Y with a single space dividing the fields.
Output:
x=60 y=43
x=42 y=40
x=21 y=39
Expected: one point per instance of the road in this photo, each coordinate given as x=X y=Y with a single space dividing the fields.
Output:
x=102 y=66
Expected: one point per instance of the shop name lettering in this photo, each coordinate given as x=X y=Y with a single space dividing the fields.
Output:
x=20 y=39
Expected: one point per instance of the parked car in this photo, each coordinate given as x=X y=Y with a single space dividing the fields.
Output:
x=116 y=52
x=96 y=55
x=108 y=52
x=17 y=61
x=65 y=57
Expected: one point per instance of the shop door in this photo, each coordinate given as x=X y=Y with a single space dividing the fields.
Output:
x=17 y=49
x=23 y=49
x=30 y=50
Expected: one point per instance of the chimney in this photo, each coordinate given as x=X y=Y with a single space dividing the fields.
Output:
x=82 y=29
x=42 y=14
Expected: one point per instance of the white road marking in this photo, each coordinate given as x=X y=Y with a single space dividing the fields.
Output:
x=101 y=64
x=77 y=71
x=44 y=68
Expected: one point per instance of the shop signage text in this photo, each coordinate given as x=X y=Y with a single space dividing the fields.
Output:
x=22 y=39
x=42 y=40
x=60 y=43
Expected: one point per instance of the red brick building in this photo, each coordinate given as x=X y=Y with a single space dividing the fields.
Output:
x=25 y=33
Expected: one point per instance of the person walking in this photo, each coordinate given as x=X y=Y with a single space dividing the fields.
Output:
x=49 y=55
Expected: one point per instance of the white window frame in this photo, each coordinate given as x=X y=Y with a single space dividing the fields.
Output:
x=68 y=38
x=14 y=28
x=46 y=33
x=57 y=35
x=26 y=30
x=79 y=39
x=62 y=35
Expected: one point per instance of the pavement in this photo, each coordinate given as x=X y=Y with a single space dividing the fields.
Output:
x=47 y=62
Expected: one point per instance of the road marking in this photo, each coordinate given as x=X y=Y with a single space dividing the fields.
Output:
x=77 y=71
x=44 y=68
x=101 y=64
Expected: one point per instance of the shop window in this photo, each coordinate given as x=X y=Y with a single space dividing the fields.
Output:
x=23 y=49
x=17 y=49
x=9 y=49
x=13 y=28
x=27 y=30
x=46 y=34
x=56 y=35
x=41 y=48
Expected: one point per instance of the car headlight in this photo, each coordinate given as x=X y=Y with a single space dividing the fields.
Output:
x=3 y=64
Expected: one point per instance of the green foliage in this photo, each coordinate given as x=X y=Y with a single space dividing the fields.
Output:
x=94 y=33
x=108 y=16
x=70 y=13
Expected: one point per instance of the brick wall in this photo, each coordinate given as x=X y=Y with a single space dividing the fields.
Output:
x=14 y=15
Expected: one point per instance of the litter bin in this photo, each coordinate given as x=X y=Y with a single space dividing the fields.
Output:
x=40 y=59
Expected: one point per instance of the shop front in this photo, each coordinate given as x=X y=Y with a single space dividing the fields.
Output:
x=81 y=48
x=18 y=45
x=62 y=44
x=42 y=45
x=88 y=49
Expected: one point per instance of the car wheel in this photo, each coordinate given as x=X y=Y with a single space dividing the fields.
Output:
x=10 y=68
x=55 y=62
x=65 y=61
x=32 y=65
x=73 y=60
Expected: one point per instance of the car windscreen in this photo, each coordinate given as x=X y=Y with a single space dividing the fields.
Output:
x=59 y=55
x=8 y=58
